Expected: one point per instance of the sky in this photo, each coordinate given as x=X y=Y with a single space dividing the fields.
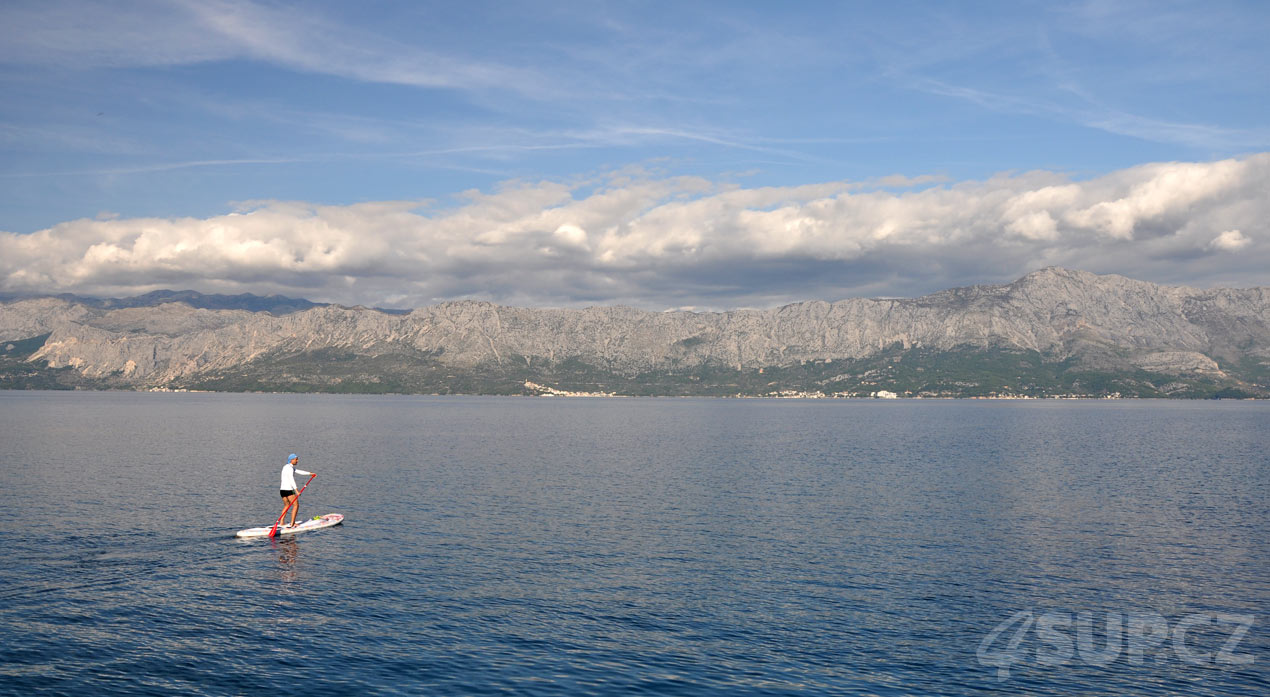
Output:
x=663 y=155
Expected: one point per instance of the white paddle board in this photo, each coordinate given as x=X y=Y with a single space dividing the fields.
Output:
x=322 y=521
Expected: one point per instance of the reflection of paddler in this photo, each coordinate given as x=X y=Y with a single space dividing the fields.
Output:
x=288 y=554
x=287 y=488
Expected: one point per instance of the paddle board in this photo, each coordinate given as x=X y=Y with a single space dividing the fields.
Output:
x=323 y=521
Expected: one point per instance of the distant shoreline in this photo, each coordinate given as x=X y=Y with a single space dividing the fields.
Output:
x=998 y=398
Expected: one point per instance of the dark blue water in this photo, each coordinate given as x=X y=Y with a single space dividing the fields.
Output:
x=553 y=546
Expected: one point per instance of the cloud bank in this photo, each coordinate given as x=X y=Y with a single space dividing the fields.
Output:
x=664 y=242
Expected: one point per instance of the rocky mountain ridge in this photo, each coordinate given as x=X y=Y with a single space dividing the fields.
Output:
x=1082 y=321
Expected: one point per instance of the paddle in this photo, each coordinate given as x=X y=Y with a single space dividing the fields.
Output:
x=274 y=530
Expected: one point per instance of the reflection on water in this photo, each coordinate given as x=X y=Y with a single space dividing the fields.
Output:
x=626 y=546
x=288 y=551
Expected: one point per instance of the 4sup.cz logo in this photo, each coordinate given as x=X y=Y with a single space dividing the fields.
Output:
x=1059 y=638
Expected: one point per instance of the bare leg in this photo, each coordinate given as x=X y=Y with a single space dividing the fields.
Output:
x=295 y=509
x=289 y=500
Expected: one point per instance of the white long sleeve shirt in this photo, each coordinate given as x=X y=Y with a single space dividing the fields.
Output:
x=289 y=471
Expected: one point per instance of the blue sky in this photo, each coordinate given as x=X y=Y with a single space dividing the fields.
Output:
x=469 y=143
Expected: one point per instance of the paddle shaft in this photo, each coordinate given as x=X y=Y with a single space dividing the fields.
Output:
x=274 y=530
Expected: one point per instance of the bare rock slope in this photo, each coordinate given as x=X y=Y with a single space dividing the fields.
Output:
x=1102 y=322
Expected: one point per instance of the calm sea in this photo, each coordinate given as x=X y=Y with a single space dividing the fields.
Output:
x=646 y=546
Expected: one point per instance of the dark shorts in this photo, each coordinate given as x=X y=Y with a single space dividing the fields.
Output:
x=286 y=492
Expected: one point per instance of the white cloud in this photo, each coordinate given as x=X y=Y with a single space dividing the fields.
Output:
x=1229 y=241
x=670 y=242
x=571 y=235
x=150 y=33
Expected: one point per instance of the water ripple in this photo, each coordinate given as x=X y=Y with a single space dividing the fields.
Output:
x=668 y=547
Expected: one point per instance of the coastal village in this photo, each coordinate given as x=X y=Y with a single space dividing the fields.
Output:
x=538 y=390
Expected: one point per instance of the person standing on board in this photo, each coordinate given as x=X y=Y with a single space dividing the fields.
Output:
x=287 y=488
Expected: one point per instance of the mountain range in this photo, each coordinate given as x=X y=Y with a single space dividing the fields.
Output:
x=1053 y=332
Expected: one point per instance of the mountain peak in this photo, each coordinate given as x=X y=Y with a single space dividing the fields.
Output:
x=1051 y=273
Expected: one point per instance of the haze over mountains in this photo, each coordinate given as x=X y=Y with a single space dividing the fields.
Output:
x=275 y=304
x=1054 y=331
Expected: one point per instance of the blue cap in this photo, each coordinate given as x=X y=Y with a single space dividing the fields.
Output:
x=291 y=457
